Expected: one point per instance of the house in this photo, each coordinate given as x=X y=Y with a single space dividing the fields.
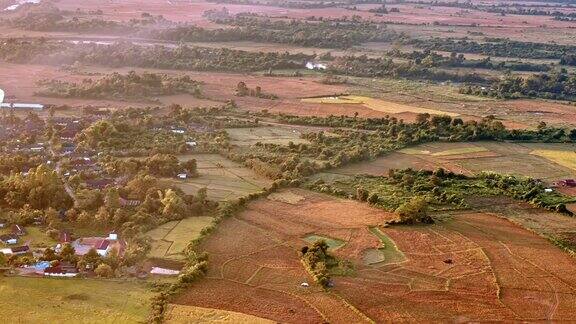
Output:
x=164 y=271
x=18 y=230
x=178 y=130
x=192 y=143
x=102 y=245
x=20 y=250
x=9 y=239
x=99 y=183
x=182 y=176
x=2 y=223
x=64 y=269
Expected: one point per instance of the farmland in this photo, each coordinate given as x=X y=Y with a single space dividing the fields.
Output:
x=459 y=265
x=170 y=239
x=376 y=104
x=82 y=301
x=222 y=178
x=549 y=162
x=288 y=161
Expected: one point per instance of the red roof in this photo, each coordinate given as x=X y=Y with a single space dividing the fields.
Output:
x=102 y=245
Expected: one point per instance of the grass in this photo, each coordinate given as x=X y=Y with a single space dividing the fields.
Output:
x=35 y=235
x=564 y=158
x=170 y=239
x=333 y=243
x=388 y=250
x=44 y=300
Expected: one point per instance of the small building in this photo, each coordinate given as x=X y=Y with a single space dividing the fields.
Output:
x=18 y=230
x=64 y=269
x=9 y=239
x=2 y=223
x=103 y=247
x=20 y=250
x=183 y=176
x=164 y=271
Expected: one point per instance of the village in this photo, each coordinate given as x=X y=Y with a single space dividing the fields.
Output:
x=83 y=182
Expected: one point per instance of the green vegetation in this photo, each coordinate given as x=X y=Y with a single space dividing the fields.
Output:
x=333 y=243
x=78 y=300
x=124 y=87
x=252 y=28
x=170 y=239
x=560 y=86
x=410 y=193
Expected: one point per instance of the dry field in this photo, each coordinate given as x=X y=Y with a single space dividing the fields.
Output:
x=542 y=161
x=375 y=104
x=470 y=266
x=265 y=134
x=190 y=314
x=223 y=178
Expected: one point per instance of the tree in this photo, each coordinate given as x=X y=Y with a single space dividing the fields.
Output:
x=174 y=206
x=104 y=271
x=68 y=253
x=92 y=258
x=112 y=199
x=415 y=210
x=361 y=194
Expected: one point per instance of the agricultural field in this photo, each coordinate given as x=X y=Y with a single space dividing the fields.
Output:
x=376 y=104
x=192 y=314
x=223 y=178
x=265 y=134
x=460 y=265
x=548 y=162
x=39 y=300
x=170 y=239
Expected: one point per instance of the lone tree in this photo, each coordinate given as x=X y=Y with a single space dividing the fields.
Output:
x=414 y=211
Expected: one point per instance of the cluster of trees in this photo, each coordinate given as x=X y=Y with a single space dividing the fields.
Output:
x=432 y=128
x=161 y=165
x=141 y=136
x=281 y=3
x=56 y=20
x=40 y=188
x=318 y=262
x=363 y=66
x=326 y=34
x=561 y=86
x=495 y=47
x=123 y=54
x=242 y=90
x=411 y=193
x=119 y=86
x=428 y=58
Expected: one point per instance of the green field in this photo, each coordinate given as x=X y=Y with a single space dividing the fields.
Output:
x=333 y=243
x=386 y=253
x=169 y=240
x=224 y=179
x=36 y=236
x=46 y=300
